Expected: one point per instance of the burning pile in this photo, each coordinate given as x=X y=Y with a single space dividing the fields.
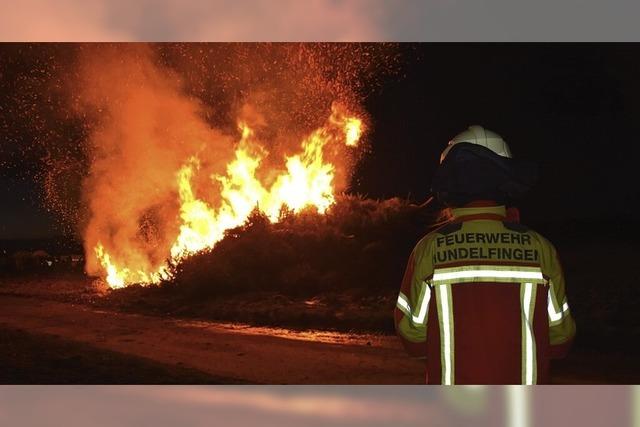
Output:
x=176 y=144
x=306 y=180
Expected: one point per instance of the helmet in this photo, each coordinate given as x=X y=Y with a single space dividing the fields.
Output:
x=477 y=165
x=480 y=136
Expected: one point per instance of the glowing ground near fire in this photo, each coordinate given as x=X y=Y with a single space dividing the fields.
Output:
x=307 y=181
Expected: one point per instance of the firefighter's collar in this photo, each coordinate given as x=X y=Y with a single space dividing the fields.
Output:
x=479 y=211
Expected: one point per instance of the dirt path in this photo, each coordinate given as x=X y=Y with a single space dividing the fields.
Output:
x=258 y=355
x=31 y=358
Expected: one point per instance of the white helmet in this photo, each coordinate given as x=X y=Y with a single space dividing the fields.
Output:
x=480 y=136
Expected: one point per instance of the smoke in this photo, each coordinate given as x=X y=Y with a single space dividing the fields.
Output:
x=144 y=129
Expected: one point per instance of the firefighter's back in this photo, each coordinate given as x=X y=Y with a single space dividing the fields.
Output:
x=487 y=297
x=490 y=313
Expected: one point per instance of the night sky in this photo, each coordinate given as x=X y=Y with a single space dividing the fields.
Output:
x=573 y=108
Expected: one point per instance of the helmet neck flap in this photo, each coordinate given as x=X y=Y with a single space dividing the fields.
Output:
x=471 y=172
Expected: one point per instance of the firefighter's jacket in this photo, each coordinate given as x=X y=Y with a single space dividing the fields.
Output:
x=483 y=299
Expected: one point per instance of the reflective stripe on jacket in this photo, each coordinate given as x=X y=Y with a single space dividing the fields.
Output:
x=483 y=299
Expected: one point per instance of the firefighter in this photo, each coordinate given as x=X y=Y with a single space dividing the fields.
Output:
x=483 y=297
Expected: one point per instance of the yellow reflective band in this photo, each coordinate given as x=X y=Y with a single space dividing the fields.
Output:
x=405 y=307
x=484 y=274
x=555 y=316
x=487 y=267
x=424 y=306
x=445 y=315
x=403 y=304
x=527 y=295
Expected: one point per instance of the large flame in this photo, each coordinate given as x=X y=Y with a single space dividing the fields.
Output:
x=307 y=180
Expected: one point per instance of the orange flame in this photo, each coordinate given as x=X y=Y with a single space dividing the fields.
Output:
x=308 y=180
